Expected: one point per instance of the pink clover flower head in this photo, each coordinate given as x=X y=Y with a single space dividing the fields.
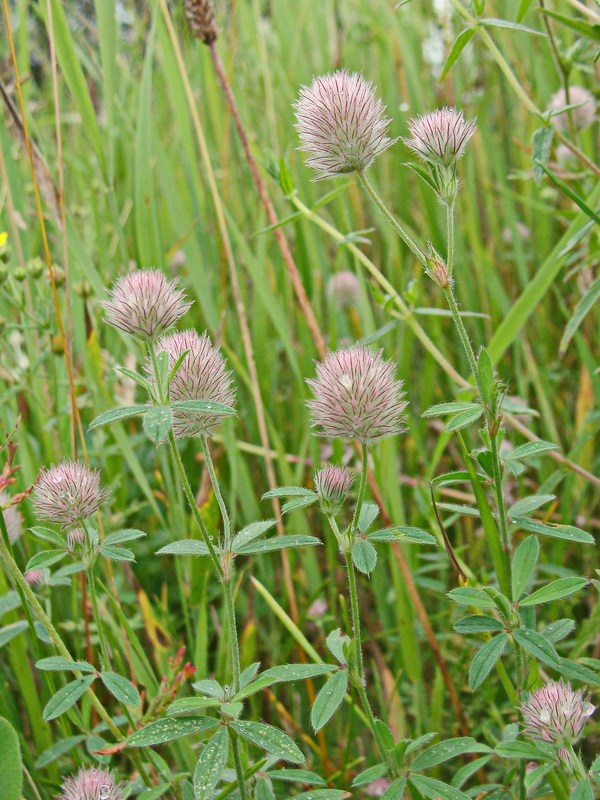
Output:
x=144 y=304
x=343 y=289
x=356 y=396
x=333 y=485
x=342 y=125
x=378 y=788
x=67 y=493
x=440 y=137
x=201 y=376
x=35 y=577
x=97 y=783
x=556 y=713
x=13 y=519
x=583 y=116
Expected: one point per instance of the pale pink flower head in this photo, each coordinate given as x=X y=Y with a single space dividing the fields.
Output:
x=97 y=783
x=342 y=124
x=333 y=485
x=67 y=493
x=583 y=116
x=556 y=713
x=35 y=577
x=201 y=376
x=144 y=304
x=356 y=396
x=440 y=137
x=13 y=519
x=343 y=289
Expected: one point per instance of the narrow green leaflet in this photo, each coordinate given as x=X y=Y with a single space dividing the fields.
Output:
x=462 y=775
x=126 y=535
x=513 y=26
x=583 y=791
x=537 y=646
x=121 y=688
x=270 y=739
x=526 y=505
x=251 y=532
x=581 y=309
x=167 y=730
x=559 y=630
x=323 y=794
x=211 y=764
x=10 y=758
x=563 y=587
x=524 y=561
x=209 y=686
x=192 y=705
x=278 y=543
x=463 y=419
x=470 y=596
x=116 y=553
x=49 y=536
x=462 y=40
x=298 y=502
x=590 y=31
x=541 y=143
x=435 y=789
x=368 y=514
x=337 y=642
x=329 y=699
x=285 y=673
x=486 y=379
x=519 y=749
x=185 y=547
x=456 y=508
x=45 y=559
x=532 y=449
x=249 y=674
x=289 y=491
x=118 y=414
x=58 y=664
x=66 y=697
x=157 y=423
x=485 y=658
x=569 y=532
x=296 y=776
x=578 y=672
x=9 y=632
x=263 y=790
x=445 y=751
x=204 y=407
x=478 y=624
x=395 y=790
x=450 y=408
x=57 y=749
x=403 y=533
x=371 y=774
x=364 y=556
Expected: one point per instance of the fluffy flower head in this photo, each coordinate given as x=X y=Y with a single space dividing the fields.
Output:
x=333 y=484
x=68 y=492
x=201 y=19
x=144 y=304
x=356 y=396
x=92 y=784
x=583 y=116
x=556 y=713
x=343 y=289
x=342 y=125
x=201 y=376
x=440 y=137
x=13 y=518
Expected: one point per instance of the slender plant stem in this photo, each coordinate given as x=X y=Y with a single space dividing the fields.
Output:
x=361 y=488
x=187 y=490
x=462 y=331
x=239 y=769
x=233 y=634
x=451 y=238
x=104 y=657
x=557 y=786
x=218 y=494
x=406 y=238
x=499 y=494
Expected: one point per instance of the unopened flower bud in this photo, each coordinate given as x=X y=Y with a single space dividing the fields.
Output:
x=36 y=267
x=19 y=274
x=436 y=269
x=58 y=274
x=35 y=577
x=440 y=137
x=333 y=484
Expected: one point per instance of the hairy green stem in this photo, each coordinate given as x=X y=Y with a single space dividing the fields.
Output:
x=239 y=769
x=499 y=494
x=462 y=331
x=406 y=238
x=217 y=490
x=560 y=793
x=233 y=636
x=104 y=657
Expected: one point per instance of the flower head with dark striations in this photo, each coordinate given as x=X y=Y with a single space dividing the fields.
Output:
x=356 y=396
x=201 y=376
x=13 y=519
x=342 y=125
x=144 y=304
x=97 y=783
x=333 y=484
x=556 y=713
x=583 y=116
x=67 y=493
x=440 y=137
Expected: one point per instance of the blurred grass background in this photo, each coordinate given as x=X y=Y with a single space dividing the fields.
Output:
x=136 y=192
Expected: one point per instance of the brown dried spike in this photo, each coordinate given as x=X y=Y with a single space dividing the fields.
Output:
x=201 y=18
